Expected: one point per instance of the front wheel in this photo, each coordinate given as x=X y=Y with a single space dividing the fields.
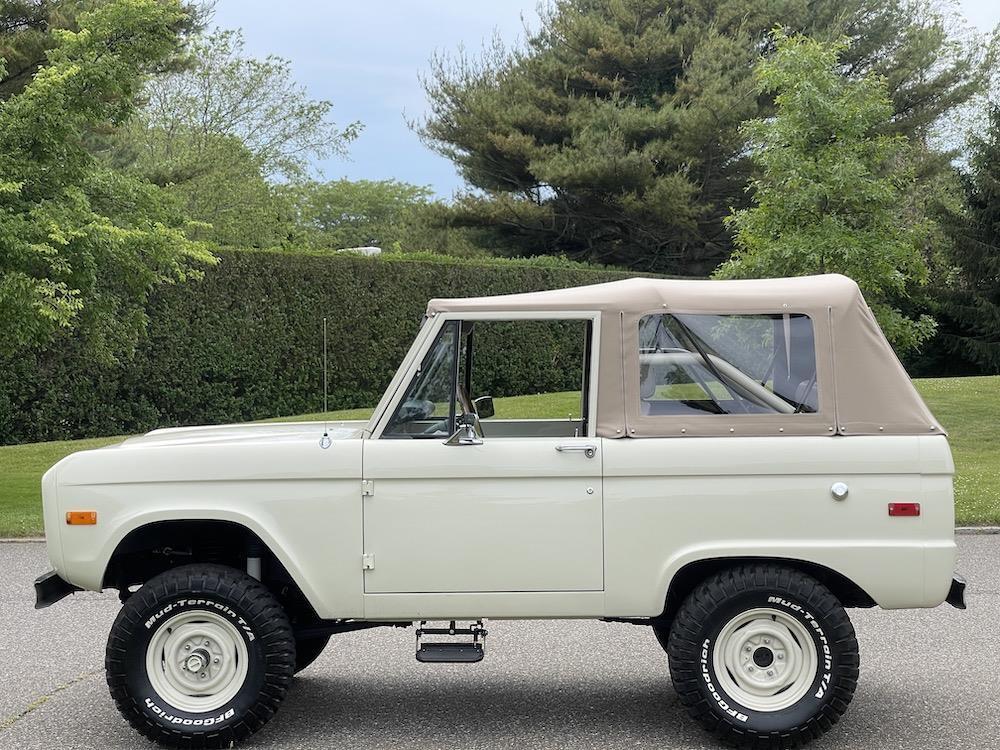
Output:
x=763 y=656
x=200 y=656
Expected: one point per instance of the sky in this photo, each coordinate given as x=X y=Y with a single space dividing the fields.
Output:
x=366 y=58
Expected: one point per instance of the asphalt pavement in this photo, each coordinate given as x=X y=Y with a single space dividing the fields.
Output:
x=930 y=679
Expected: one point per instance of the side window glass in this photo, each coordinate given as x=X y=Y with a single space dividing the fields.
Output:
x=521 y=378
x=535 y=373
x=427 y=409
x=727 y=364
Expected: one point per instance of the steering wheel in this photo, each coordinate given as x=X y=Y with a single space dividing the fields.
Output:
x=439 y=427
x=414 y=409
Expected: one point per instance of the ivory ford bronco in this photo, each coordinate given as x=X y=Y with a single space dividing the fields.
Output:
x=747 y=459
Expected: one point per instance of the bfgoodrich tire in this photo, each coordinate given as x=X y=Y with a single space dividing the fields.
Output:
x=763 y=656
x=200 y=656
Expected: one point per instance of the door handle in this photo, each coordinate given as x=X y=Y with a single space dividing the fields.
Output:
x=585 y=448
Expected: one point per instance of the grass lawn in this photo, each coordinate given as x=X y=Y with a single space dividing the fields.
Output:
x=21 y=469
x=968 y=407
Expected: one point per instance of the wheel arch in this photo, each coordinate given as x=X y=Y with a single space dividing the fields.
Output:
x=683 y=582
x=155 y=546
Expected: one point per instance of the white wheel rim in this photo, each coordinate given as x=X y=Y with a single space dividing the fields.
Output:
x=197 y=661
x=765 y=659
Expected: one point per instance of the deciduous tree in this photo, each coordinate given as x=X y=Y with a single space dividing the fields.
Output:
x=345 y=213
x=831 y=188
x=225 y=94
x=80 y=244
x=28 y=30
x=218 y=134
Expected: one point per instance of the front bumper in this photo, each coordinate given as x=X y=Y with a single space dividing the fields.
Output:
x=50 y=588
x=956 y=594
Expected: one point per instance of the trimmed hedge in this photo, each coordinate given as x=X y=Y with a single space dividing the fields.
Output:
x=245 y=343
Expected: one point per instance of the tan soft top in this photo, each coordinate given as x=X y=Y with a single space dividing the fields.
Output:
x=863 y=388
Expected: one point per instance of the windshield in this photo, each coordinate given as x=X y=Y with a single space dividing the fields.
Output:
x=427 y=408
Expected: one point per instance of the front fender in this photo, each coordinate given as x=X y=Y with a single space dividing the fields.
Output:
x=303 y=502
x=85 y=565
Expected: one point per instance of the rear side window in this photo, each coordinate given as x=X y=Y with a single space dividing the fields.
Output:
x=727 y=364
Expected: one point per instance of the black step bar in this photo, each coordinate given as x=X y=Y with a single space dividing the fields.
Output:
x=452 y=652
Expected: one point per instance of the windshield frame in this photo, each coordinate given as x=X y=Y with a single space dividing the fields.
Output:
x=435 y=322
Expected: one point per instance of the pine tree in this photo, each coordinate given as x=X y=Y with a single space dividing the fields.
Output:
x=613 y=135
x=970 y=306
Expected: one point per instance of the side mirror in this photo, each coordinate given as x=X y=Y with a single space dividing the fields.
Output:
x=465 y=434
x=484 y=407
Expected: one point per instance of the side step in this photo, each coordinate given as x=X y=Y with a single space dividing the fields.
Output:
x=467 y=651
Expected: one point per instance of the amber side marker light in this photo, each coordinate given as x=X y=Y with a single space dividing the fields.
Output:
x=904 y=509
x=81 y=517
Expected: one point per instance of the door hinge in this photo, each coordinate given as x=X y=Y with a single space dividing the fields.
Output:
x=367 y=487
x=368 y=561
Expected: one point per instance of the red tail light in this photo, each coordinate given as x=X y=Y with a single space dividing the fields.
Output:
x=904 y=509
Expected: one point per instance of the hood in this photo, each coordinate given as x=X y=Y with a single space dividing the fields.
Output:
x=245 y=433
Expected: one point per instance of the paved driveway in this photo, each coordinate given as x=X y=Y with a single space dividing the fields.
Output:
x=930 y=679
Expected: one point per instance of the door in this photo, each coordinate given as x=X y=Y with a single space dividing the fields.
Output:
x=459 y=499
x=511 y=514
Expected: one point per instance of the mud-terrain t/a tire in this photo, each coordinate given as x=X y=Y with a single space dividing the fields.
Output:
x=200 y=656
x=763 y=656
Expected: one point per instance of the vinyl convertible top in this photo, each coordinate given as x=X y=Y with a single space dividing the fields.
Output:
x=862 y=387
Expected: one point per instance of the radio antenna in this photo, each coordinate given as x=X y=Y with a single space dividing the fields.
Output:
x=324 y=441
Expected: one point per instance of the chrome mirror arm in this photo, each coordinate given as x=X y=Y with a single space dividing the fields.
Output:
x=466 y=433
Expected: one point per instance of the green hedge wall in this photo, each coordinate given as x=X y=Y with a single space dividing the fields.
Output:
x=245 y=343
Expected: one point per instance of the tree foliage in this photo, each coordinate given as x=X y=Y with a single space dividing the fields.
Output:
x=29 y=29
x=832 y=185
x=219 y=184
x=343 y=213
x=969 y=299
x=224 y=95
x=80 y=244
x=614 y=133
x=217 y=134
x=25 y=33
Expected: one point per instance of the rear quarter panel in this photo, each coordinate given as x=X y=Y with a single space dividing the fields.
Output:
x=673 y=501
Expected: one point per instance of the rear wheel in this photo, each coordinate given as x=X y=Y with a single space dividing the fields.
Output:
x=200 y=656
x=763 y=656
